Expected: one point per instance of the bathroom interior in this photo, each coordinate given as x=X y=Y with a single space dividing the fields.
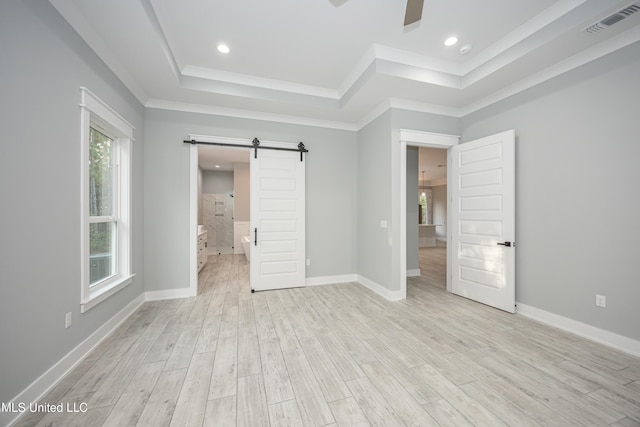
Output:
x=223 y=202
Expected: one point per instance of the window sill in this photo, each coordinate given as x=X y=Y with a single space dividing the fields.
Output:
x=99 y=295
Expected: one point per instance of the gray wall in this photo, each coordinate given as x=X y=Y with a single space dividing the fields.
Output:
x=378 y=190
x=374 y=200
x=242 y=192
x=412 y=209
x=217 y=182
x=44 y=63
x=578 y=138
x=439 y=194
x=331 y=189
x=426 y=122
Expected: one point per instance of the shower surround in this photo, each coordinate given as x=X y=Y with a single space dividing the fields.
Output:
x=217 y=215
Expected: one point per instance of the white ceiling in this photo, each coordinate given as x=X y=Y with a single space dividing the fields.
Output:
x=339 y=63
x=221 y=158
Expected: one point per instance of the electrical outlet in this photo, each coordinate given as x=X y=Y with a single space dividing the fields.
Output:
x=308 y=262
x=67 y=320
x=601 y=300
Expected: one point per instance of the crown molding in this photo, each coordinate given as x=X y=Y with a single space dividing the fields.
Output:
x=258 y=82
x=380 y=60
x=377 y=60
x=606 y=47
x=413 y=59
x=620 y=41
x=523 y=32
x=400 y=104
x=379 y=110
x=160 y=104
x=423 y=107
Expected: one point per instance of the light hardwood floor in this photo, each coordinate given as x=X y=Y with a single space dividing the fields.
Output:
x=340 y=355
x=433 y=265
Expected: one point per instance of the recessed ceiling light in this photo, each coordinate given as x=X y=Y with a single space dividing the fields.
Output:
x=223 y=48
x=217 y=166
x=451 y=41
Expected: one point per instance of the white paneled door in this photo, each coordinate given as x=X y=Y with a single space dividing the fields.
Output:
x=483 y=218
x=277 y=220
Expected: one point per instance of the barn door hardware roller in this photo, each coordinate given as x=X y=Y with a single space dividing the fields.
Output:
x=255 y=144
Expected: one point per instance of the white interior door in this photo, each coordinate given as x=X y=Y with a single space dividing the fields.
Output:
x=483 y=218
x=277 y=220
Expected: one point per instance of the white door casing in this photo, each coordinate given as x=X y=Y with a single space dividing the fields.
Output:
x=408 y=137
x=277 y=219
x=482 y=210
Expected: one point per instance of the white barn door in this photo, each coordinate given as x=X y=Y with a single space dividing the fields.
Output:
x=277 y=220
x=483 y=220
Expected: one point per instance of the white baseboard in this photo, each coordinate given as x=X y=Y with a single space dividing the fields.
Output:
x=169 y=294
x=331 y=280
x=611 y=339
x=41 y=386
x=380 y=290
x=413 y=273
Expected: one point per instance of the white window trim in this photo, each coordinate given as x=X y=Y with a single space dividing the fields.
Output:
x=95 y=110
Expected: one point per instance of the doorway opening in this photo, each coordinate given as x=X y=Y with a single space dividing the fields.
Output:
x=273 y=228
x=426 y=259
x=224 y=197
x=480 y=214
x=221 y=196
x=442 y=142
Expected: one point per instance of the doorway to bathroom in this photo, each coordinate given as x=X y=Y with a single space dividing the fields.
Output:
x=273 y=236
x=223 y=197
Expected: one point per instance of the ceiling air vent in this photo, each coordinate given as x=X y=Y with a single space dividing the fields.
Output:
x=614 y=18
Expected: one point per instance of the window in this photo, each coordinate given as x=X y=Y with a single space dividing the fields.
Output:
x=425 y=203
x=103 y=213
x=106 y=211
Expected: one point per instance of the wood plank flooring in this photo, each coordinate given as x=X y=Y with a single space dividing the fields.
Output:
x=433 y=265
x=340 y=355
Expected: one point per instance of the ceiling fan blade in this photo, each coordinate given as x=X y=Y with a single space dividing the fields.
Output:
x=414 y=11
